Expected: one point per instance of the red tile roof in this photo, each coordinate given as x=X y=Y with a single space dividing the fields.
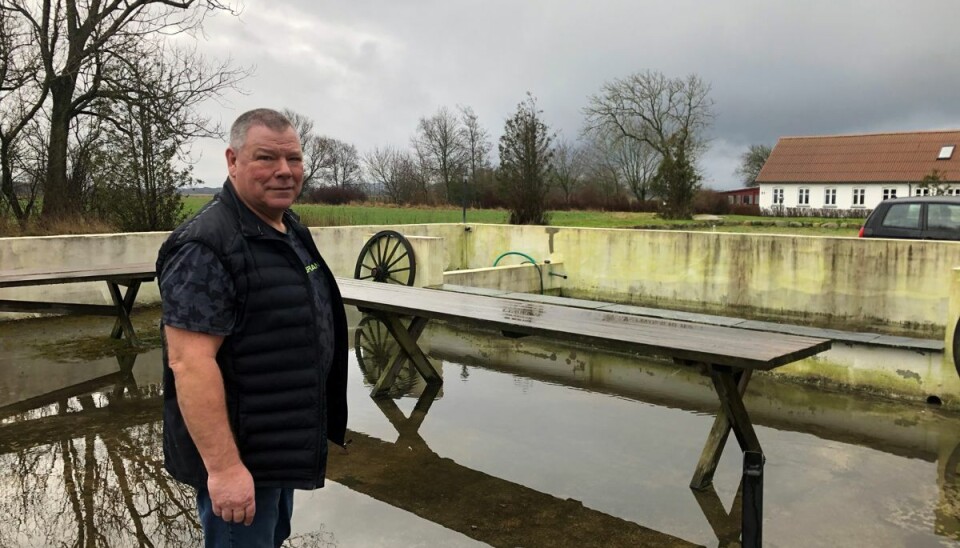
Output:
x=880 y=157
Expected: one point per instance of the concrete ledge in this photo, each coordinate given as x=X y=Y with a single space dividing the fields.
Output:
x=522 y=278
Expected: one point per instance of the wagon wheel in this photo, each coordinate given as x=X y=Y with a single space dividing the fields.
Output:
x=375 y=348
x=387 y=257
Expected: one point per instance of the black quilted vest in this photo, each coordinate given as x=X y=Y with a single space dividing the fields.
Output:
x=273 y=383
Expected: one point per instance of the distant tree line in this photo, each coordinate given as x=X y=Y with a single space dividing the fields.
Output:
x=98 y=111
x=642 y=137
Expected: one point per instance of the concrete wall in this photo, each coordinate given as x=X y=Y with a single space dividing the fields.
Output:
x=340 y=247
x=851 y=283
x=867 y=284
x=67 y=252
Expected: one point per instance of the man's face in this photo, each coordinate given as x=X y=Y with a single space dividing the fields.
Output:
x=267 y=171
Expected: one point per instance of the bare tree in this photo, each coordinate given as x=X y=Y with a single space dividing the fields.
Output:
x=476 y=144
x=439 y=144
x=637 y=163
x=317 y=149
x=145 y=132
x=79 y=44
x=343 y=169
x=569 y=167
x=670 y=115
x=22 y=94
x=603 y=175
x=394 y=172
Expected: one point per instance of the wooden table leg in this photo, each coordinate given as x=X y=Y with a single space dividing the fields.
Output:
x=124 y=304
x=717 y=439
x=737 y=416
x=389 y=374
x=408 y=343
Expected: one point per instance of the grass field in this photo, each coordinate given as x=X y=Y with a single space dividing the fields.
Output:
x=327 y=215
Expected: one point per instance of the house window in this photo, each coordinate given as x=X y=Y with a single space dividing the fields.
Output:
x=746 y=199
x=859 y=197
x=922 y=192
x=830 y=197
x=803 y=197
x=778 y=196
x=946 y=152
x=889 y=193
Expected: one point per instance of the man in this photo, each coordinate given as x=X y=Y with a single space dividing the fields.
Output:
x=254 y=344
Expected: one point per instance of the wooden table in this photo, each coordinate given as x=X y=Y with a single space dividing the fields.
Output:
x=729 y=355
x=129 y=276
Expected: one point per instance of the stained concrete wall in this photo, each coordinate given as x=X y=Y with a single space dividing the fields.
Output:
x=894 y=285
x=340 y=247
x=867 y=284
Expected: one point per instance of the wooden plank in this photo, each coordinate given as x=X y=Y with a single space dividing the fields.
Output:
x=57 y=308
x=698 y=342
x=116 y=273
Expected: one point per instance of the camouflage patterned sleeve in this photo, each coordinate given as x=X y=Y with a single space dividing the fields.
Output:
x=197 y=292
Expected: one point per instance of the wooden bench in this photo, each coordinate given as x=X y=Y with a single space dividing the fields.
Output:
x=129 y=276
x=728 y=355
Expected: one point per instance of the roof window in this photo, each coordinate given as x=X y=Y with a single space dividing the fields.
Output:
x=946 y=152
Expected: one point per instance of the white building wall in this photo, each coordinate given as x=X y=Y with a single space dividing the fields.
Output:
x=873 y=195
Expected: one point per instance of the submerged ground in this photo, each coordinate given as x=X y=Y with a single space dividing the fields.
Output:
x=528 y=443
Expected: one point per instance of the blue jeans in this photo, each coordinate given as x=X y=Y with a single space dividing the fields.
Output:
x=270 y=527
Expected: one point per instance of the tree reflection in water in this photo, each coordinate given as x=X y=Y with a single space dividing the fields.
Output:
x=87 y=470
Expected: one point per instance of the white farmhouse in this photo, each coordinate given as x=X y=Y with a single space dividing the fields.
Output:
x=856 y=172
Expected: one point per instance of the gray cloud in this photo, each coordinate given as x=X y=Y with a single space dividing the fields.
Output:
x=366 y=71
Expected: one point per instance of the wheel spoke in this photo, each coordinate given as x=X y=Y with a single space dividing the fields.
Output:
x=393 y=251
x=380 y=250
x=366 y=277
x=396 y=280
x=389 y=266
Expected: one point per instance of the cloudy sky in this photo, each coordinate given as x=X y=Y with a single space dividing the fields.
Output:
x=367 y=70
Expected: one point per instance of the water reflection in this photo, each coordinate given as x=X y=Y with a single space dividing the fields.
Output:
x=493 y=458
x=377 y=351
x=855 y=454
x=725 y=524
x=85 y=468
x=948 y=508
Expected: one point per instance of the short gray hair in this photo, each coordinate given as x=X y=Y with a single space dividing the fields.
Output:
x=257 y=117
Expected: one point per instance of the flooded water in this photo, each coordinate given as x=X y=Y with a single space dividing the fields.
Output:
x=527 y=443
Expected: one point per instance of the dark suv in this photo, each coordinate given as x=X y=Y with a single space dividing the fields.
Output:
x=918 y=218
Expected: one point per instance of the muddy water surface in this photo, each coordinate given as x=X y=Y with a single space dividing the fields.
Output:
x=528 y=443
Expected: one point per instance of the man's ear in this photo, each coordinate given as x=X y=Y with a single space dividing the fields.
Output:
x=231 y=161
